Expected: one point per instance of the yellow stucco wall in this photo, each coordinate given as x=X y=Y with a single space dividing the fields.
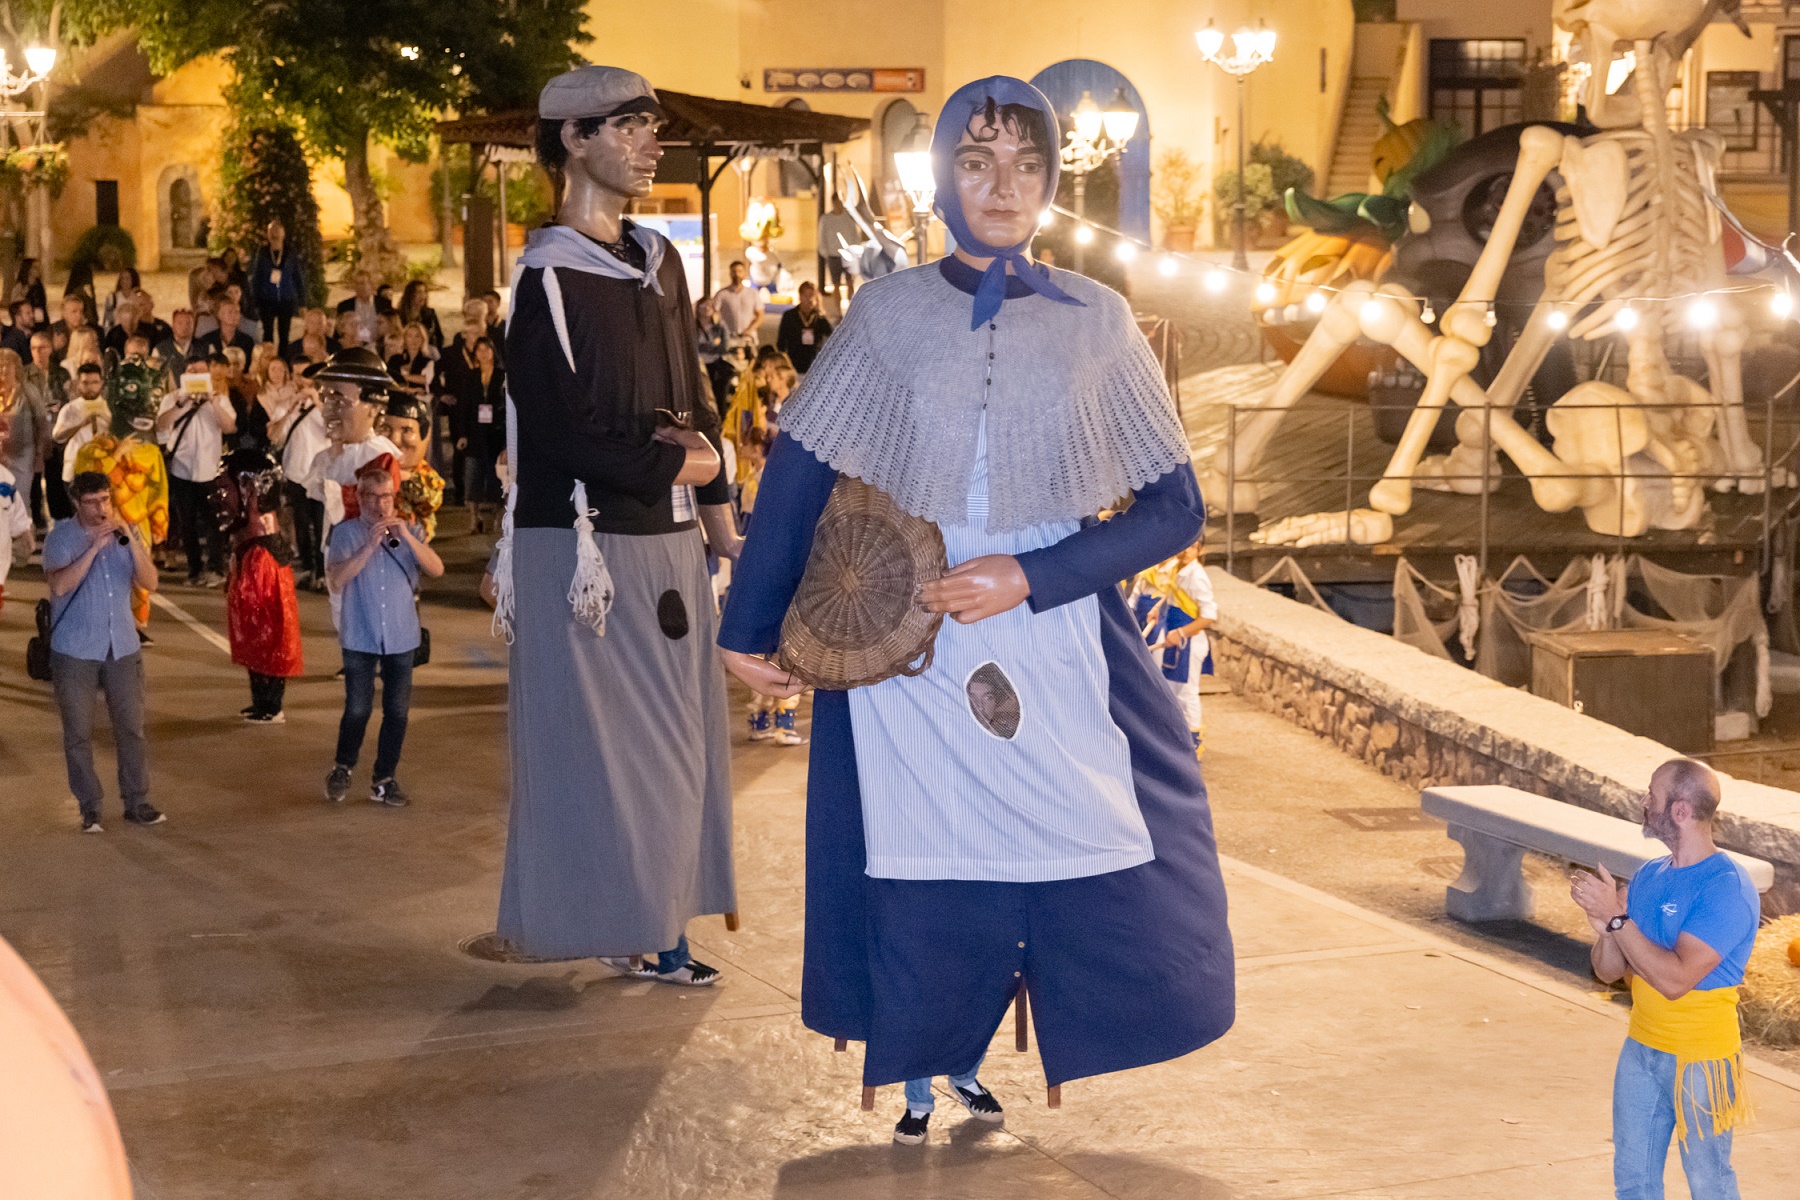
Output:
x=1151 y=42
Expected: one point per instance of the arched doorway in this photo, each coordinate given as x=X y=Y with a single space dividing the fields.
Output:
x=180 y=217
x=900 y=122
x=1064 y=83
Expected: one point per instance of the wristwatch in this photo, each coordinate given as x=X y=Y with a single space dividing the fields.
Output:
x=1617 y=923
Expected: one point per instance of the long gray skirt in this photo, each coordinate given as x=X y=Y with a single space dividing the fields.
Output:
x=621 y=781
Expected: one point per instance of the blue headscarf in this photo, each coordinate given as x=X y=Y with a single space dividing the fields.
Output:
x=968 y=100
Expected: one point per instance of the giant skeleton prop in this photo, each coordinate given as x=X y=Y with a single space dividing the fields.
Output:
x=1637 y=218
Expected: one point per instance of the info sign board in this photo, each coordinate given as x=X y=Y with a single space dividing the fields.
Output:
x=844 y=79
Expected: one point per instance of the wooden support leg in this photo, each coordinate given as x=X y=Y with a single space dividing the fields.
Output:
x=868 y=1101
x=731 y=922
x=1054 y=1099
x=1021 y=1022
x=840 y=1044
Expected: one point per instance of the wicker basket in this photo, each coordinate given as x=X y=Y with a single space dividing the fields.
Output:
x=854 y=620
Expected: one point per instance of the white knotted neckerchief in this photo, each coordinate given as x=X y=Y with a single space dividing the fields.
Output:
x=591 y=590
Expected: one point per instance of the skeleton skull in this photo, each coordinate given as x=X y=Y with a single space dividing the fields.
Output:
x=1605 y=30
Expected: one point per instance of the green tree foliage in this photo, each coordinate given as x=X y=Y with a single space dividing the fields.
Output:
x=264 y=176
x=352 y=72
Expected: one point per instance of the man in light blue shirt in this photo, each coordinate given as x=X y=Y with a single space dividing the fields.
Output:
x=92 y=563
x=374 y=561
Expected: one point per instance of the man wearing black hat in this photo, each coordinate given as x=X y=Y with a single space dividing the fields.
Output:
x=354 y=386
x=621 y=790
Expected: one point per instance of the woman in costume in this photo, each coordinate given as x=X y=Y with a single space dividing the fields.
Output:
x=1027 y=812
x=262 y=613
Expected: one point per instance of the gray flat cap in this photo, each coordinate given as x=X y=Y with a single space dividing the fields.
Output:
x=596 y=92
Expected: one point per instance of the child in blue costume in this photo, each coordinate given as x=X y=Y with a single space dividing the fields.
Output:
x=1028 y=811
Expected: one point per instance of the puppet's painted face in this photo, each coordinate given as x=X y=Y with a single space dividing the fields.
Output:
x=1001 y=175
x=347 y=417
x=404 y=433
x=620 y=157
x=133 y=393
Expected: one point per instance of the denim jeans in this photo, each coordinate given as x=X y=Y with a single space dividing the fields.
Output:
x=359 y=703
x=918 y=1091
x=75 y=682
x=1644 y=1121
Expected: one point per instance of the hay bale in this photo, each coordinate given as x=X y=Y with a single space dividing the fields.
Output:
x=1770 y=998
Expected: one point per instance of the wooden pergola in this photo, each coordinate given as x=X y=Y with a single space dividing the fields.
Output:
x=700 y=131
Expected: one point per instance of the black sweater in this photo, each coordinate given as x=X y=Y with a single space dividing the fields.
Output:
x=634 y=353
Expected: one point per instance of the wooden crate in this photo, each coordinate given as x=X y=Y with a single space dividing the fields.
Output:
x=1645 y=681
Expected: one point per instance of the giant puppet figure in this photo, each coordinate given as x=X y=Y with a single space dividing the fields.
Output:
x=1026 y=812
x=621 y=790
x=127 y=454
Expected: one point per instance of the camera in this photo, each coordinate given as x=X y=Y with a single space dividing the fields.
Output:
x=124 y=538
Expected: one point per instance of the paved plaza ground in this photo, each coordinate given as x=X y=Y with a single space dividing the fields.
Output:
x=273 y=990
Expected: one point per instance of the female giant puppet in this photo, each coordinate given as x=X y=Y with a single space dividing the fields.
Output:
x=1065 y=845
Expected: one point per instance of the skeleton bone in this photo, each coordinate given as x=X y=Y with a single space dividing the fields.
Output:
x=1361 y=526
x=1635 y=219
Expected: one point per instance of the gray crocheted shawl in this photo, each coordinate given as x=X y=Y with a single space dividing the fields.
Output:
x=1078 y=412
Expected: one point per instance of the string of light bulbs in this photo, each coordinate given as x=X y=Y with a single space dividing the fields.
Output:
x=1701 y=311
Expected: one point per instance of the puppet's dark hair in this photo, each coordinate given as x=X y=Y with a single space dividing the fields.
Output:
x=550 y=149
x=1022 y=120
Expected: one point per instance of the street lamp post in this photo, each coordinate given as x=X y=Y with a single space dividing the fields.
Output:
x=39 y=62
x=1250 y=49
x=916 y=179
x=1096 y=135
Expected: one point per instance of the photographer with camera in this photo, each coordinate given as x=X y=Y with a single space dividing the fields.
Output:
x=92 y=563
x=374 y=560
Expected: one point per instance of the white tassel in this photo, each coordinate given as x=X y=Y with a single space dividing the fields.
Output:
x=591 y=591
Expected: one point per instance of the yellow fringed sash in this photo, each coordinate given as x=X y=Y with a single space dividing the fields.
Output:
x=1700 y=1030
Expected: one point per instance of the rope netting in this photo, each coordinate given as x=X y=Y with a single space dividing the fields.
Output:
x=1485 y=623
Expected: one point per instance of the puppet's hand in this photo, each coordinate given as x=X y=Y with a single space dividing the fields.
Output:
x=761 y=676
x=981 y=587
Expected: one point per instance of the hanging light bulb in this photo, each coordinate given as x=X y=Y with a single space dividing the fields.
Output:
x=1490 y=318
x=1782 y=304
x=1084 y=234
x=1125 y=251
x=1316 y=302
x=1703 y=314
x=1047 y=219
x=1626 y=320
x=1217 y=280
x=1557 y=320
x=1166 y=265
x=1265 y=293
x=1372 y=309
x=1428 y=315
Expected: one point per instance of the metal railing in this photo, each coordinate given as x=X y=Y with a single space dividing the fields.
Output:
x=1779 y=443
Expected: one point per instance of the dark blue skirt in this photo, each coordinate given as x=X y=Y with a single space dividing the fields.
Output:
x=1122 y=970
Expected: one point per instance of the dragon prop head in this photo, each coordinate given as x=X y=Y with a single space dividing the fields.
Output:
x=133 y=392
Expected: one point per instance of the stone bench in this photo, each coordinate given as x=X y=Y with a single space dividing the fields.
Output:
x=1497 y=825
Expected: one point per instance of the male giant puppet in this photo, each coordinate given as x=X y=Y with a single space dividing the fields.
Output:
x=953 y=858
x=621 y=804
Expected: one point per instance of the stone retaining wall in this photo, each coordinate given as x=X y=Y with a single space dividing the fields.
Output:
x=1425 y=720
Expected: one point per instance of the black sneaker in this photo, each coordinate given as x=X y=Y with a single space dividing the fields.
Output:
x=144 y=814
x=337 y=784
x=91 y=825
x=262 y=718
x=910 y=1130
x=144 y=638
x=247 y=712
x=387 y=791
x=980 y=1102
x=693 y=973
